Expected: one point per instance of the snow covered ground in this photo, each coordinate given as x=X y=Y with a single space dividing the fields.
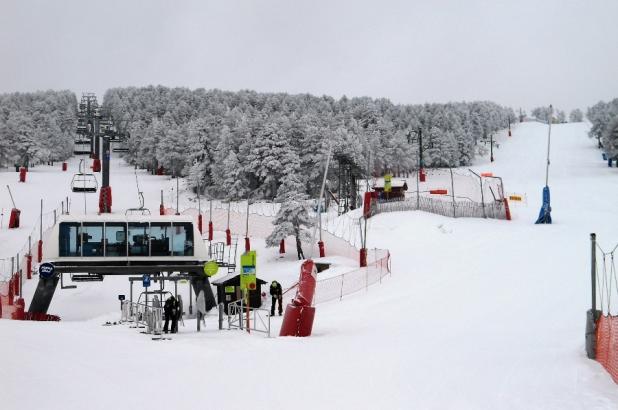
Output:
x=478 y=314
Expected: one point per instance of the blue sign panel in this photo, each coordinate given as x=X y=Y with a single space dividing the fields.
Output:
x=46 y=270
x=146 y=281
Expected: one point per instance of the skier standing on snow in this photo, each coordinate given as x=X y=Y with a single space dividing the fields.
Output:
x=276 y=292
x=170 y=310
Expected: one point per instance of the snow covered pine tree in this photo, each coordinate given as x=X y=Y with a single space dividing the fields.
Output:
x=292 y=219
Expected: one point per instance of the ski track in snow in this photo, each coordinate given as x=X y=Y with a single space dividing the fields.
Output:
x=478 y=314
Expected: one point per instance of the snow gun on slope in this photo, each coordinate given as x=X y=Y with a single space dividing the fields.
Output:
x=15 y=213
x=299 y=314
x=545 y=213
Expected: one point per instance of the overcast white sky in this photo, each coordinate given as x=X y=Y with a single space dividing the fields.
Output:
x=520 y=53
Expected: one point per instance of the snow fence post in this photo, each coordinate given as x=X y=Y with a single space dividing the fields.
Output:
x=40 y=249
x=220 y=307
x=592 y=315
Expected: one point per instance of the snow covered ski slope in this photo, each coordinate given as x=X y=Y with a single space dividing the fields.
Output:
x=478 y=314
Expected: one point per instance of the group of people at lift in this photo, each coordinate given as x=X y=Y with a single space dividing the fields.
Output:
x=171 y=312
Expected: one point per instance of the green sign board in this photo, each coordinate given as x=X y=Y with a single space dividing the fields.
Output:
x=388 y=183
x=247 y=270
x=211 y=268
x=230 y=289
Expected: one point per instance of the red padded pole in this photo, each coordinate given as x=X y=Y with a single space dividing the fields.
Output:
x=16 y=283
x=40 y=251
x=321 y=249
x=228 y=237
x=363 y=257
x=299 y=315
x=282 y=246
x=11 y=292
x=20 y=307
x=29 y=266
x=367 y=205
x=210 y=231
x=507 y=210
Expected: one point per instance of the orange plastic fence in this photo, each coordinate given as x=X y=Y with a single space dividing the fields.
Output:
x=607 y=344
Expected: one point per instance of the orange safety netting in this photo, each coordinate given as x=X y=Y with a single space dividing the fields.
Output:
x=607 y=344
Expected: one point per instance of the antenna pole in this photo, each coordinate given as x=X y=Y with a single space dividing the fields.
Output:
x=549 y=121
x=199 y=198
x=177 y=195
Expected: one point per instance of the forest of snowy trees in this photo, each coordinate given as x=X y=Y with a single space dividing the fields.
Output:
x=604 y=119
x=37 y=127
x=240 y=142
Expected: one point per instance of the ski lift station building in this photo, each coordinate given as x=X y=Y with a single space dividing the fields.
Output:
x=111 y=244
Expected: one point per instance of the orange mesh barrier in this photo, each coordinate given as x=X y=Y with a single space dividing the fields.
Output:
x=607 y=344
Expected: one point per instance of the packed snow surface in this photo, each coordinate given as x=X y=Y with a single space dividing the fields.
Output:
x=478 y=314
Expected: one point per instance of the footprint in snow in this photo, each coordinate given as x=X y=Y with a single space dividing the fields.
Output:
x=444 y=229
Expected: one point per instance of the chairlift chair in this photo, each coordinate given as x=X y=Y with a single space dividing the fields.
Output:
x=84 y=182
x=138 y=211
x=81 y=147
x=120 y=147
x=141 y=210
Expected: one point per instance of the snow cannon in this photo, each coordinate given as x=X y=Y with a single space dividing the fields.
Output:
x=299 y=314
x=14 y=218
x=15 y=213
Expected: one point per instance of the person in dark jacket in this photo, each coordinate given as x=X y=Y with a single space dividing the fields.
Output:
x=170 y=310
x=276 y=293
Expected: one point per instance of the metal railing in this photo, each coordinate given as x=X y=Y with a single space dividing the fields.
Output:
x=259 y=319
x=143 y=315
